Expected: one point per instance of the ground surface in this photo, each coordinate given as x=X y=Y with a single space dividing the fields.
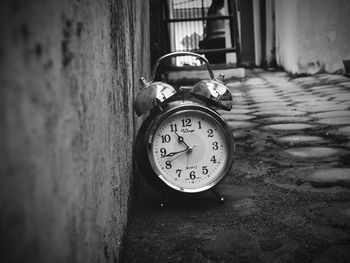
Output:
x=287 y=198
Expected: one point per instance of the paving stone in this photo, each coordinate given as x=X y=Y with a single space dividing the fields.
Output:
x=332 y=78
x=328 y=114
x=272 y=107
x=260 y=92
x=288 y=126
x=295 y=139
x=271 y=104
x=322 y=87
x=305 y=80
x=285 y=119
x=240 y=103
x=346 y=145
x=239 y=117
x=308 y=98
x=345 y=130
x=239 y=134
x=314 y=152
x=294 y=179
x=241 y=111
x=238 y=111
x=342 y=97
x=335 y=121
x=265 y=96
x=246 y=106
x=329 y=177
x=322 y=107
x=282 y=112
x=333 y=90
x=293 y=91
x=345 y=84
x=234 y=84
x=238 y=94
x=266 y=100
x=275 y=77
x=255 y=81
x=241 y=124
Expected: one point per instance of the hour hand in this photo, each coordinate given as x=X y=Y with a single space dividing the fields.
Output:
x=181 y=139
x=173 y=153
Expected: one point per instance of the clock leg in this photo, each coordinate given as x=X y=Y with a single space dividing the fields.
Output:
x=218 y=195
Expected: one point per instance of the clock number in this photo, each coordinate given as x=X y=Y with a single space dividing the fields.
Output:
x=199 y=125
x=178 y=171
x=213 y=159
x=204 y=170
x=168 y=164
x=162 y=152
x=215 y=145
x=192 y=175
x=210 y=133
x=165 y=138
x=186 y=122
x=173 y=127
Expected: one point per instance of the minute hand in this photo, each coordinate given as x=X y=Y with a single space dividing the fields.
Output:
x=173 y=153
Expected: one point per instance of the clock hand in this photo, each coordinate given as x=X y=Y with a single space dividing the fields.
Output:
x=181 y=139
x=185 y=151
x=173 y=153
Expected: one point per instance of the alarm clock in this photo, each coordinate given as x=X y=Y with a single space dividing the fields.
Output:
x=184 y=146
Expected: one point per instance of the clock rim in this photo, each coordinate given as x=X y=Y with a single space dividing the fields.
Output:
x=178 y=109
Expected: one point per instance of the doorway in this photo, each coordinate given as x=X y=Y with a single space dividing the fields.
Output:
x=207 y=27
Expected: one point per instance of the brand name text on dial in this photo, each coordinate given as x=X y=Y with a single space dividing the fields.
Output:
x=187 y=131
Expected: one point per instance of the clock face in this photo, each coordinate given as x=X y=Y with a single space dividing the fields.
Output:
x=190 y=150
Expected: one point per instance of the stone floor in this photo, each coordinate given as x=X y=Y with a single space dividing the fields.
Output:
x=287 y=197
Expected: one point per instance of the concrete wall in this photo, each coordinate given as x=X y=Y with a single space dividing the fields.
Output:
x=312 y=35
x=68 y=71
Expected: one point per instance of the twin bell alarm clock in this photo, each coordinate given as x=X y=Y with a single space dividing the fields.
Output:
x=184 y=145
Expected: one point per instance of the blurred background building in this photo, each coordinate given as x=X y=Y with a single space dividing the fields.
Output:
x=299 y=36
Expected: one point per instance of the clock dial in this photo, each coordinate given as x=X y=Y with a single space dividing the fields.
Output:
x=189 y=150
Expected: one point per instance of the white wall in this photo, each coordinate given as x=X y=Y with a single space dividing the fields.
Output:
x=257 y=32
x=286 y=34
x=312 y=35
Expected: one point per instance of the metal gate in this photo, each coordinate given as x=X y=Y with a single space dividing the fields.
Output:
x=207 y=27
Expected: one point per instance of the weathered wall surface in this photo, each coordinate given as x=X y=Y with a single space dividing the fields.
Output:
x=286 y=34
x=312 y=35
x=68 y=70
